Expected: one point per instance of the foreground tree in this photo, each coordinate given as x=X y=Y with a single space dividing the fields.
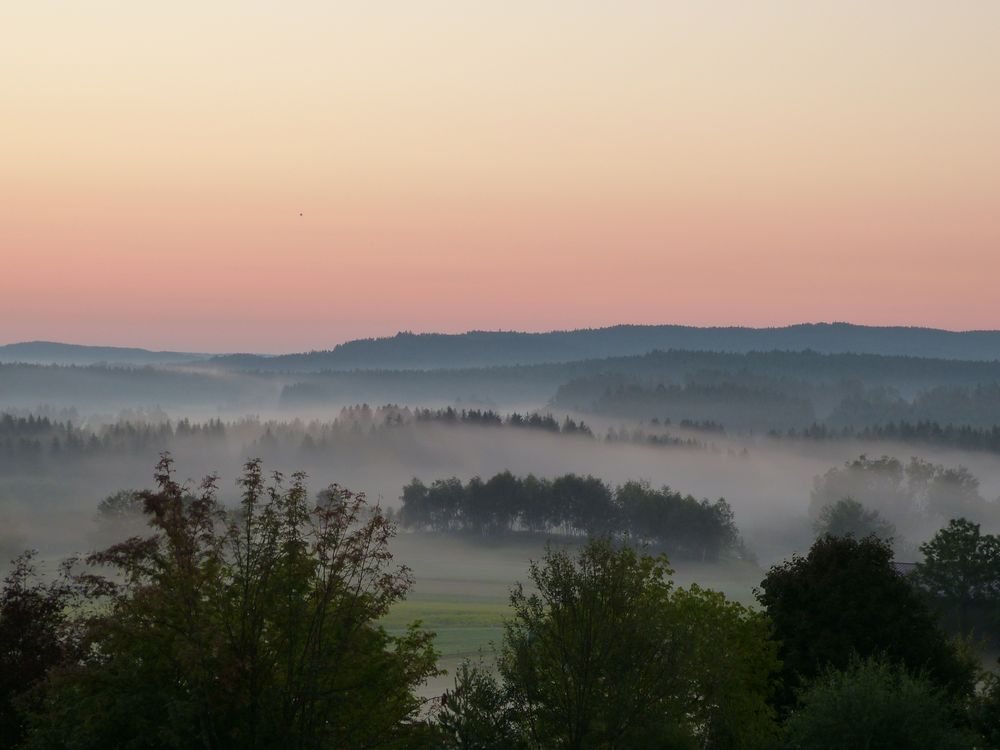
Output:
x=35 y=635
x=961 y=569
x=844 y=599
x=875 y=704
x=608 y=654
x=253 y=629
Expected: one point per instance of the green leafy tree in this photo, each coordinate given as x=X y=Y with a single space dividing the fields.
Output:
x=961 y=568
x=584 y=658
x=875 y=704
x=608 y=654
x=36 y=635
x=848 y=517
x=844 y=599
x=246 y=629
x=729 y=662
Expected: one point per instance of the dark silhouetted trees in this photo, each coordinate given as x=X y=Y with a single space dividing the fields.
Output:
x=571 y=504
x=36 y=635
x=844 y=598
x=874 y=703
x=253 y=628
x=961 y=571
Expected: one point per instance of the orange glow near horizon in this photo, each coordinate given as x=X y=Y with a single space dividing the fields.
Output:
x=254 y=175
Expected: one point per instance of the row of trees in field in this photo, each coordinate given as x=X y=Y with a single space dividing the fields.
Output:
x=571 y=504
x=257 y=627
x=488 y=417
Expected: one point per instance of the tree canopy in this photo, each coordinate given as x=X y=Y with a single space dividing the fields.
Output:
x=874 y=703
x=845 y=598
x=246 y=628
x=961 y=570
x=606 y=653
x=571 y=504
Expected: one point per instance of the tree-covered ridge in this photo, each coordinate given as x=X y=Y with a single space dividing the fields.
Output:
x=867 y=384
x=575 y=385
x=917 y=433
x=487 y=348
x=55 y=353
x=738 y=406
x=127 y=386
x=680 y=524
x=745 y=401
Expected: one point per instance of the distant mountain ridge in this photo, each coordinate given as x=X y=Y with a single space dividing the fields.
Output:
x=427 y=351
x=55 y=353
x=488 y=348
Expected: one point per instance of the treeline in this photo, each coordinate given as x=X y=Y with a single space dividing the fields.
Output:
x=27 y=439
x=533 y=420
x=364 y=417
x=964 y=437
x=681 y=524
x=484 y=348
x=976 y=406
x=32 y=438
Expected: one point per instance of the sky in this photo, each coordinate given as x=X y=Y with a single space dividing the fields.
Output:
x=242 y=175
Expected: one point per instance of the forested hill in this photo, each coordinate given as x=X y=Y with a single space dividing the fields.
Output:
x=55 y=353
x=408 y=351
x=489 y=348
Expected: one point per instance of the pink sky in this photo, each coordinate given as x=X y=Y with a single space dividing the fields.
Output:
x=515 y=165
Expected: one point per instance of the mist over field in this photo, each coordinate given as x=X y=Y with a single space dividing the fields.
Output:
x=768 y=486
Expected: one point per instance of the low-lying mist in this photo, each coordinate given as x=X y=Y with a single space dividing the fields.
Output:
x=48 y=501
